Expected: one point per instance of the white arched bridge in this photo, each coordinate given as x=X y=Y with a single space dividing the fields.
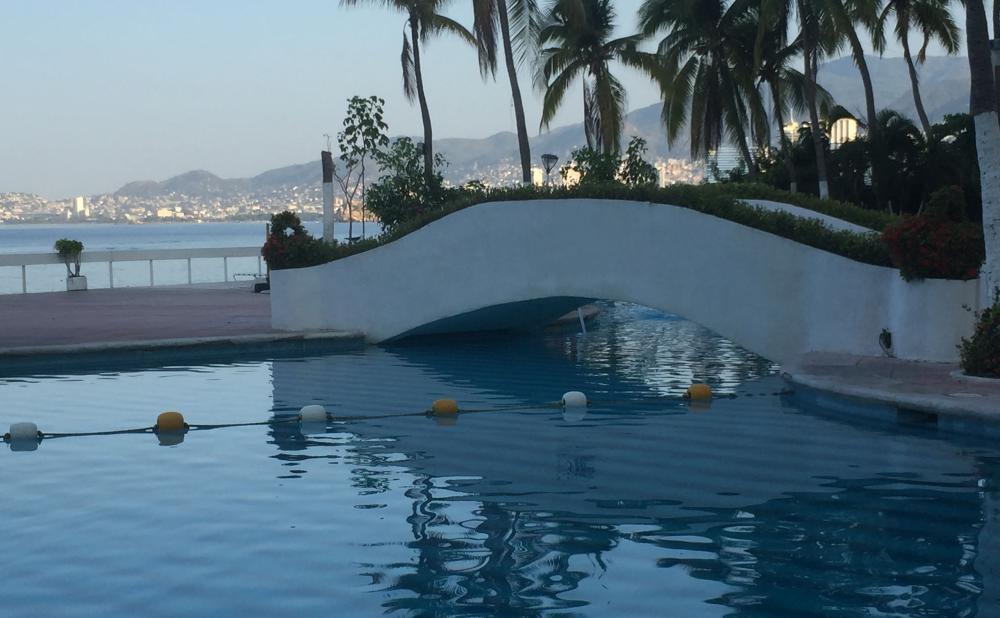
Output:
x=515 y=264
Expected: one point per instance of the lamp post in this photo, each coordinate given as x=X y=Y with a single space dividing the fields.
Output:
x=549 y=162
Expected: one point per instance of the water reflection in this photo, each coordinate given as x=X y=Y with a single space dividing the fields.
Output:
x=754 y=509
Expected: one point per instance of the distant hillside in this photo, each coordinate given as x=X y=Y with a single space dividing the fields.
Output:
x=944 y=86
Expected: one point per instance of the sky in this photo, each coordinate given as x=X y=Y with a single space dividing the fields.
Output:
x=97 y=93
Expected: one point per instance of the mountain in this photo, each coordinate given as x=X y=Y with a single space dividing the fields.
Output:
x=944 y=87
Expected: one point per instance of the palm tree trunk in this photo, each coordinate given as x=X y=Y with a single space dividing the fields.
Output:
x=874 y=140
x=817 y=131
x=786 y=147
x=996 y=35
x=425 y=114
x=983 y=107
x=741 y=137
x=515 y=91
x=914 y=81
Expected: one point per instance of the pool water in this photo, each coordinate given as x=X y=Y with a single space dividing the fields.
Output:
x=640 y=505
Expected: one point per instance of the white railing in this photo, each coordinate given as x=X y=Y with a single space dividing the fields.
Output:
x=132 y=255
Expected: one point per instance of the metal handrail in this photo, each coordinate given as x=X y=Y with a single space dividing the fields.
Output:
x=132 y=255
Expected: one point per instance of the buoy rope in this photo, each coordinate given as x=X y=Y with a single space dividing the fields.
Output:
x=113 y=432
x=295 y=418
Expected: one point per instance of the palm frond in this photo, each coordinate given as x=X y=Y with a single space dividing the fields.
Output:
x=484 y=26
x=435 y=23
x=555 y=91
x=525 y=26
x=409 y=78
x=611 y=100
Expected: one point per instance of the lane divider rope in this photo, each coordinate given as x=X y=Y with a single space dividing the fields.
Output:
x=455 y=410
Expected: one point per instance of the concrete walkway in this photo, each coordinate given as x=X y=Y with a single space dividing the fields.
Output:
x=936 y=388
x=124 y=318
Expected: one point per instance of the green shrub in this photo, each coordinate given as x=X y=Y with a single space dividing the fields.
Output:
x=594 y=168
x=930 y=248
x=981 y=354
x=865 y=248
x=874 y=219
x=947 y=204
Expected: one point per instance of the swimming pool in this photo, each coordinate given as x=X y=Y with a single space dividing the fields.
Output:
x=752 y=506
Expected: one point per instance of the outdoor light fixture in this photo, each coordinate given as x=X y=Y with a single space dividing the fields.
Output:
x=549 y=162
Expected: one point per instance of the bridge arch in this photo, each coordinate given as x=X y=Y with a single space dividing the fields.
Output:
x=507 y=260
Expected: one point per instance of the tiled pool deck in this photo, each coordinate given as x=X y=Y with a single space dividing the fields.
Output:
x=143 y=318
x=933 y=388
x=122 y=318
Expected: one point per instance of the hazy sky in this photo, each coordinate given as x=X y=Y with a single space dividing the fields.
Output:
x=97 y=93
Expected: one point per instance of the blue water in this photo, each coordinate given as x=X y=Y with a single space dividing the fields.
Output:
x=39 y=238
x=639 y=506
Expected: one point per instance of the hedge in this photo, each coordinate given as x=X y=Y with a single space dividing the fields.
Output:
x=721 y=200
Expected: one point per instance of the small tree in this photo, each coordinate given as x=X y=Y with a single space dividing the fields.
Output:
x=364 y=135
x=607 y=168
x=593 y=167
x=404 y=192
x=635 y=169
x=69 y=251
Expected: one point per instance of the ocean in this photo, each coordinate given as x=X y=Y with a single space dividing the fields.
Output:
x=39 y=238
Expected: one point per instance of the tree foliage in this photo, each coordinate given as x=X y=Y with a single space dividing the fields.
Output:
x=404 y=192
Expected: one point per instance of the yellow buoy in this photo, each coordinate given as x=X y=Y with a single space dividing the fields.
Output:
x=699 y=392
x=170 y=421
x=444 y=406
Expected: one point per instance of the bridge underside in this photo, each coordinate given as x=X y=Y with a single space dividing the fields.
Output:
x=523 y=315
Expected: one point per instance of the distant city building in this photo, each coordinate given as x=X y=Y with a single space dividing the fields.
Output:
x=678 y=171
x=80 y=208
x=724 y=160
x=537 y=176
x=571 y=177
x=843 y=131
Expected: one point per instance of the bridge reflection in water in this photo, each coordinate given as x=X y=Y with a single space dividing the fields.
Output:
x=752 y=508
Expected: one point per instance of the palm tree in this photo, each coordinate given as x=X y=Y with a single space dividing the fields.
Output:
x=815 y=22
x=576 y=42
x=707 y=77
x=934 y=21
x=983 y=107
x=423 y=19
x=524 y=15
x=786 y=87
x=847 y=15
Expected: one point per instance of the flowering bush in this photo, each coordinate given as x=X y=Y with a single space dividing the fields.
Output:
x=981 y=353
x=932 y=248
x=289 y=245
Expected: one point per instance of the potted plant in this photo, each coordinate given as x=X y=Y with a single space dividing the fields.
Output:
x=69 y=251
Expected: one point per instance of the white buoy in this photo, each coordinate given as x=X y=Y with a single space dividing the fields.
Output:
x=312 y=428
x=23 y=431
x=574 y=399
x=313 y=414
x=574 y=414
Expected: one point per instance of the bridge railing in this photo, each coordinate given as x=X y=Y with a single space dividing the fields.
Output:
x=133 y=255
